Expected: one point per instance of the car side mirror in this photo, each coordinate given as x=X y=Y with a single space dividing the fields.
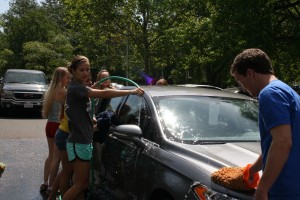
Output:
x=129 y=132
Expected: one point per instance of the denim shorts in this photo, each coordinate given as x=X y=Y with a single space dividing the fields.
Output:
x=61 y=139
x=80 y=151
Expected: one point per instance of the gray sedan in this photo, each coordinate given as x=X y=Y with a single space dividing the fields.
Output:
x=167 y=143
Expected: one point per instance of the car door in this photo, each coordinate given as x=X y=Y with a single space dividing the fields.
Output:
x=120 y=155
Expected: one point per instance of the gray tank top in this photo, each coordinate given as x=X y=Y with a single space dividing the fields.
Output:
x=54 y=114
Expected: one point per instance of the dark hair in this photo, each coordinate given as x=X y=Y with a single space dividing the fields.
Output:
x=77 y=60
x=254 y=59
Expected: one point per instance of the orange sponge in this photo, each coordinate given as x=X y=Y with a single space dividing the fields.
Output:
x=235 y=178
x=251 y=182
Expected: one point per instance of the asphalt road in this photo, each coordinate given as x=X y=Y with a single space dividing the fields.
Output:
x=23 y=149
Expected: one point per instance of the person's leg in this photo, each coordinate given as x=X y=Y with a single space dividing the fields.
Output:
x=80 y=155
x=54 y=165
x=55 y=187
x=81 y=179
x=48 y=161
x=67 y=172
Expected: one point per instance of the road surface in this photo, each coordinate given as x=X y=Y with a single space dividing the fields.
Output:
x=23 y=148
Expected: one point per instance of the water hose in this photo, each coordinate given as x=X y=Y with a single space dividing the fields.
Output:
x=118 y=78
x=107 y=78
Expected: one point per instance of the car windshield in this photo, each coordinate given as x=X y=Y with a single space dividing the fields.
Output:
x=199 y=120
x=25 y=78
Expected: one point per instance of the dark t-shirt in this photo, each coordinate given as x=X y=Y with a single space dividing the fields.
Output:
x=78 y=108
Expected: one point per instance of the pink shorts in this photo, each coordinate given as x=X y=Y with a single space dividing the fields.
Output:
x=51 y=128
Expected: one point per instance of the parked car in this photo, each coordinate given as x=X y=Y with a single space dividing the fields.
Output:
x=20 y=88
x=166 y=144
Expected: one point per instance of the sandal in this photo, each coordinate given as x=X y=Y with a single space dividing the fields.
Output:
x=43 y=187
x=48 y=192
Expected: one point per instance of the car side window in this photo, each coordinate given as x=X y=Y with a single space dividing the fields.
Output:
x=134 y=111
x=114 y=103
x=129 y=112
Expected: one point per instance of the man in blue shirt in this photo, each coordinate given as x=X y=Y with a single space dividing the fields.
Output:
x=279 y=125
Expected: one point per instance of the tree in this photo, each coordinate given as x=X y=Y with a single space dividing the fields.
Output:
x=18 y=31
x=35 y=35
x=237 y=25
x=137 y=23
x=47 y=56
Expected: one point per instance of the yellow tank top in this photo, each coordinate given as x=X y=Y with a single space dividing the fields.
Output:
x=64 y=124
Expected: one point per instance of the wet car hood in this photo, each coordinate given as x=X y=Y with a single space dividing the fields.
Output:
x=25 y=87
x=213 y=156
x=209 y=158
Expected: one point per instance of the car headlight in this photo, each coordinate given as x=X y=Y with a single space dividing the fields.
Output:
x=205 y=193
x=7 y=94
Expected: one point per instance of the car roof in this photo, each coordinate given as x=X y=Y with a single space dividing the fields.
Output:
x=160 y=91
x=200 y=86
x=25 y=71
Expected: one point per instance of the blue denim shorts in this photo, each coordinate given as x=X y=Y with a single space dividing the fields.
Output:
x=80 y=151
x=61 y=139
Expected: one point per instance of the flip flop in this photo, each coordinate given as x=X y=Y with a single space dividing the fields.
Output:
x=43 y=187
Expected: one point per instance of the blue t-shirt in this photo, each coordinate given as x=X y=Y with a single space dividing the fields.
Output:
x=280 y=105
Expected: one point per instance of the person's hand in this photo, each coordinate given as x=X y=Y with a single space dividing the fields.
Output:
x=139 y=91
x=95 y=128
x=94 y=121
x=250 y=177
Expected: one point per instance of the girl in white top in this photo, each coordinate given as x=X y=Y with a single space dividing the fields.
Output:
x=53 y=101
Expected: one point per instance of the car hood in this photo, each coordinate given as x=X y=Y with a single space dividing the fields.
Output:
x=203 y=160
x=25 y=87
x=214 y=156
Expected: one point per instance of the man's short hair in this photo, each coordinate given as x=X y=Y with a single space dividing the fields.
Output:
x=255 y=59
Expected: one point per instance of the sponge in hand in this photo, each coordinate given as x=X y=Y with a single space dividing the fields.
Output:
x=235 y=178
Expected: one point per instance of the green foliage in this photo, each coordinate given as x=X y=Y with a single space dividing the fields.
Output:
x=5 y=56
x=35 y=36
x=24 y=22
x=186 y=41
x=130 y=28
x=47 y=56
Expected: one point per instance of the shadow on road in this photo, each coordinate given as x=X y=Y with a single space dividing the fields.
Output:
x=20 y=114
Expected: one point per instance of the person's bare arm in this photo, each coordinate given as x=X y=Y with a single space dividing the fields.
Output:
x=114 y=93
x=256 y=166
x=277 y=157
